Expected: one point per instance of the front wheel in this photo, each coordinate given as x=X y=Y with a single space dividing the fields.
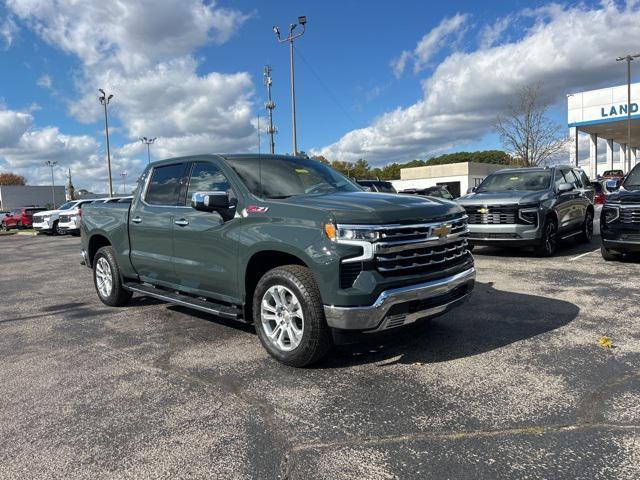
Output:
x=608 y=255
x=289 y=316
x=107 y=279
x=549 y=241
x=586 y=232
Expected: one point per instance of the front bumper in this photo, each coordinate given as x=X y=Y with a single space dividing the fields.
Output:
x=69 y=226
x=503 y=234
x=401 y=306
x=41 y=226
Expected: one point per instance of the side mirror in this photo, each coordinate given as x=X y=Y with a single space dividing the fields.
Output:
x=210 y=201
x=367 y=189
x=565 y=187
x=613 y=185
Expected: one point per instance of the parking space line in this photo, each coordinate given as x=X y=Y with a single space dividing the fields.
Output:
x=583 y=255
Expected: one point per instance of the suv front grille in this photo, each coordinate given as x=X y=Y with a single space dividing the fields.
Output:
x=422 y=260
x=630 y=215
x=492 y=215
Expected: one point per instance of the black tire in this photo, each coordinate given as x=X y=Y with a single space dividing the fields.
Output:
x=316 y=339
x=18 y=225
x=117 y=296
x=54 y=229
x=586 y=231
x=4 y=227
x=608 y=255
x=549 y=241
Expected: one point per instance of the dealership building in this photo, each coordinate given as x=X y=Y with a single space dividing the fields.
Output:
x=14 y=196
x=601 y=118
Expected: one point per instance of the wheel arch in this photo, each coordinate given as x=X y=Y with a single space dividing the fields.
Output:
x=96 y=242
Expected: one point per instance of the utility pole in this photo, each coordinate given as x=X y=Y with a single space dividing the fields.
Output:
x=627 y=151
x=148 y=142
x=302 y=21
x=104 y=100
x=270 y=105
x=51 y=164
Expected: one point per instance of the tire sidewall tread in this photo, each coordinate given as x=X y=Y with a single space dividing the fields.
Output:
x=119 y=296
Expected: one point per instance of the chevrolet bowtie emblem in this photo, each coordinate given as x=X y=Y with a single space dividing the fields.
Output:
x=483 y=210
x=441 y=231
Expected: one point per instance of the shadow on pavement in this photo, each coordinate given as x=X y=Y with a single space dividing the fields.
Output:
x=566 y=248
x=490 y=320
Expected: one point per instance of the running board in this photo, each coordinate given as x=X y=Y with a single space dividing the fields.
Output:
x=224 y=311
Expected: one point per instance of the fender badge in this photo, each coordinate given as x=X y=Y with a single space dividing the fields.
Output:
x=256 y=209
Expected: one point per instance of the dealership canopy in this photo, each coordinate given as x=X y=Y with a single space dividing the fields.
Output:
x=604 y=114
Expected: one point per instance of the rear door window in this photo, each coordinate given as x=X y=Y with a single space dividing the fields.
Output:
x=164 y=185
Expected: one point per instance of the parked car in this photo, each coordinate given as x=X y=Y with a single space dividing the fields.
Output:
x=612 y=174
x=620 y=218
x=533 y=207
x=20 y=218
x=69 y=219
x=437 y=191
x=599 y=193
x=377 y=186
x=284 y=242
x=48 y=221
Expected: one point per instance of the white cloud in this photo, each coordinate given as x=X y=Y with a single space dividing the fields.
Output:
x=45 y=81
x=491 y=34
x=430 y=44
x=12 y=126
x=8 y=31
x=567 y=49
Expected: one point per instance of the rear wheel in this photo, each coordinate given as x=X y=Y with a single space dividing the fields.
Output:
x=289 y=316
x=586 y=232
x=608 y=255
x=549 y=241
x=107 y=279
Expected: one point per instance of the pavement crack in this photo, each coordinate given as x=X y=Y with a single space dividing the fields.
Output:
x=592 y=408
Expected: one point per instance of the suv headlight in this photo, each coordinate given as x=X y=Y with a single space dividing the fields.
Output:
x=610 y=213
x=528 y=214
x=350 y=233
x=46 y=218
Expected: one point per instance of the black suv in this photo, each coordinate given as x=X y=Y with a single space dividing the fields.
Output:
x=531 y=207
x=620 y=217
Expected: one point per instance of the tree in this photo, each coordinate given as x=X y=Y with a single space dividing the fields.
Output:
x=12 y=179
x=527 y=132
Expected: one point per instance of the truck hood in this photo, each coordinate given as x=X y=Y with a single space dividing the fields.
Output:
x=378 y=208
x=624 y=196
x=47 y=213
x=503 y=198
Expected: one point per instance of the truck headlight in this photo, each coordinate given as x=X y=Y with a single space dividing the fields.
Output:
x=528 y=215
x=610 y=213
x=350 y=233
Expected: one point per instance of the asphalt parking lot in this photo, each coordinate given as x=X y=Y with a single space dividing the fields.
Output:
x=513 y=385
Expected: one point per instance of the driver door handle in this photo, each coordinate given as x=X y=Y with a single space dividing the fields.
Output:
x=182 y=222
x=136 y=220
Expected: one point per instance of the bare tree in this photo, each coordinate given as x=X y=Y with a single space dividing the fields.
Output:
x=527 y=132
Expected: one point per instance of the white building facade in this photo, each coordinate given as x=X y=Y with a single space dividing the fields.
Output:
x=604 y=115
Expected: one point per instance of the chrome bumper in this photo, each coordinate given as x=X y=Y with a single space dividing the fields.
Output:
x=434 y=297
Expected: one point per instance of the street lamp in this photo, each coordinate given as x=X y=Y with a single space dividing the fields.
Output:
x=627 y=152
x=51 y=164
x=104 y=100
x=302 y=21
x=148 y=142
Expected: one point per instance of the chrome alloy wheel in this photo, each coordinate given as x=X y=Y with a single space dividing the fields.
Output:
x=104 y=279
x=282 y=317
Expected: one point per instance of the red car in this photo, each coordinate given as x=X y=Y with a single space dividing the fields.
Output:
x=20 y=217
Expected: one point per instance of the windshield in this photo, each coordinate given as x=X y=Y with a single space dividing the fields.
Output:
x=67 y=206
x=632 y=182
x=285 y=177
x=521 y=181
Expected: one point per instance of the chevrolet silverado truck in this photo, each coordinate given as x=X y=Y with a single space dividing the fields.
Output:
x=283 y=242
x=620 y=217
x=531 y=207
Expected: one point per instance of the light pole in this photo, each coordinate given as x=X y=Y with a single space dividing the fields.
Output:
x=302 y=21
x=270 y=105
x=51 y=164
x=627 y=151
x=104 y=101
x=148 y=142
x=124 y=183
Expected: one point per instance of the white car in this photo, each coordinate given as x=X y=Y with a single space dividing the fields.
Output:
x=48 y=221
x=69 y=220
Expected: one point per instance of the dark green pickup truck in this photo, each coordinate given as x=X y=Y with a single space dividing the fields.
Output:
x=286 y=243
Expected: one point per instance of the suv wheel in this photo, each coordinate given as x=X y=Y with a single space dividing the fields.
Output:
x=608 y=255
x=107 y=279
x=289 y=316
x=586 y=232
x=549 y=240
x=4 y=227
x=54 y=229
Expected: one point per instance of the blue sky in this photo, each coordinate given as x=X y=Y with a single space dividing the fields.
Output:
x=376 y=80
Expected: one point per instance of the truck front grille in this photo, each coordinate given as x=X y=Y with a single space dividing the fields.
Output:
x=422 y=259
x=630 y=215
x=492 y=215
x=348 y=273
